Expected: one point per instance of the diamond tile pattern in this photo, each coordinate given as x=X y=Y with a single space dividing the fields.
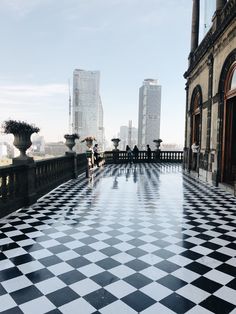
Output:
x=142 y=238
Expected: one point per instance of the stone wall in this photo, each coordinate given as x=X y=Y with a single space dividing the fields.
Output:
x=205 y=71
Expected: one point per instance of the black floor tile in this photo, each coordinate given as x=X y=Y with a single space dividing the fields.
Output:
x=9 y=273
x=108 y=263
x=138 y=280
x=22 y=259
x=26 y=294
x=62 y=296
x=100 y=298
x=138 y=301
x=198 y=268
x=206 y=284
x=167 y=266
x=78 y=262
x=172 y=282
x=177 y=303
x=137 y=265
x=39 y=275
x=217 y=305
x=71 y=277
x=105 y=278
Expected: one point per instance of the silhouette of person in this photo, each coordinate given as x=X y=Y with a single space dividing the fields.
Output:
x=149 y=153
x=135 y=152
x=129 y=154
x=96 y=154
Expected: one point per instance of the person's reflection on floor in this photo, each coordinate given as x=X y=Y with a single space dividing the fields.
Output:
x=135 y=177
x=115 y=183
x=127 y=174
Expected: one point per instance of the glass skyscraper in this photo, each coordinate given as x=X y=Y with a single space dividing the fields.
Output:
x=149 y=113
x=87 y=111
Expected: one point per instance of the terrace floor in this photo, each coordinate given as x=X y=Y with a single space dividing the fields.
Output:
x=134 y=239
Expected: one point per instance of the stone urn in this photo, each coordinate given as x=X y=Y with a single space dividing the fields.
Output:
x=158 y=144
x=22 y=132
x=70 y=142
x=89 y=143
x=22 y=141
x=115 y=143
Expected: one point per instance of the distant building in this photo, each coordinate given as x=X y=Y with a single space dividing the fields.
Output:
x=38 y=145
x=124 y=137
x=149 y=113
x=6 y=146
x=211 y=98
x=55 y=149
x=87 y=110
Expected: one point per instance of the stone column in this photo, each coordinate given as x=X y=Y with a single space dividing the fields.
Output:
x=195 y=25
x=220 y=4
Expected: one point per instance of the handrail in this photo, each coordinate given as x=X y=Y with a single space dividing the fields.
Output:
x=156 y=156
x=22 y=185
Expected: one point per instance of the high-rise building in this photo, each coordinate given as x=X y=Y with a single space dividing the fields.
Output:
x=128 y=136
x=87 y=111
x=149 y=113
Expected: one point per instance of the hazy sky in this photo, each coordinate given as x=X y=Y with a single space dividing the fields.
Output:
x=43 y=41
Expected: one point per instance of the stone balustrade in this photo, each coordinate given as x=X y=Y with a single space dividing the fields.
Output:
x=160 y=156
x=22 y=185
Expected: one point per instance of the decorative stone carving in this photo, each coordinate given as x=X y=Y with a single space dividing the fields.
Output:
x=115 y=143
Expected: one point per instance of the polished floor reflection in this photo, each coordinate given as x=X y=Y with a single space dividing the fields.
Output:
x=142 y=238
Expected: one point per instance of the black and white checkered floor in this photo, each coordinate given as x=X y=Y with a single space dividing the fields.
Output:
x=135 y=239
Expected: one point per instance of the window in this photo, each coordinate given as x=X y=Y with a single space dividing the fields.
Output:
x=196 y=119
x=233 y=80
x=230 y=86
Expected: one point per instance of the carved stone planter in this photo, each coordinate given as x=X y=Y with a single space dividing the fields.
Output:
x=70 y=142
x=22 y=142
x=158 y=143
x=89 y=143
x=115 y=143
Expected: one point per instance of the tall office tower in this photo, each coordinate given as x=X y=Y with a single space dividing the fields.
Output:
x=149 y=113
x=128 y=136
x=87 y=111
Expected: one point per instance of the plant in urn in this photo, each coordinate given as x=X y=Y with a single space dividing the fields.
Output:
x=22 y=132
x=115 y=143
x=70 y=142
x=158 y=143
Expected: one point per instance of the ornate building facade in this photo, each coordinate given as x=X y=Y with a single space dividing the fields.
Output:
x=211 y=98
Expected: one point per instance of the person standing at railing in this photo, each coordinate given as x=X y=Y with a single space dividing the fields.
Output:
x=149 y=153
x=135 y=153
x=129 y=154
x=96 y=154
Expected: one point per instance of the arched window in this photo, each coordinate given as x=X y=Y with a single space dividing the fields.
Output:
x=229 y=128
x=230 y=86
x=196 y=119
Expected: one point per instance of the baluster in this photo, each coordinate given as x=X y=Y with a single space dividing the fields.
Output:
x=11 y=187
x=4 y=188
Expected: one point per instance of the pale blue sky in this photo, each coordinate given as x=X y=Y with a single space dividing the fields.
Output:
x=43 y=41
